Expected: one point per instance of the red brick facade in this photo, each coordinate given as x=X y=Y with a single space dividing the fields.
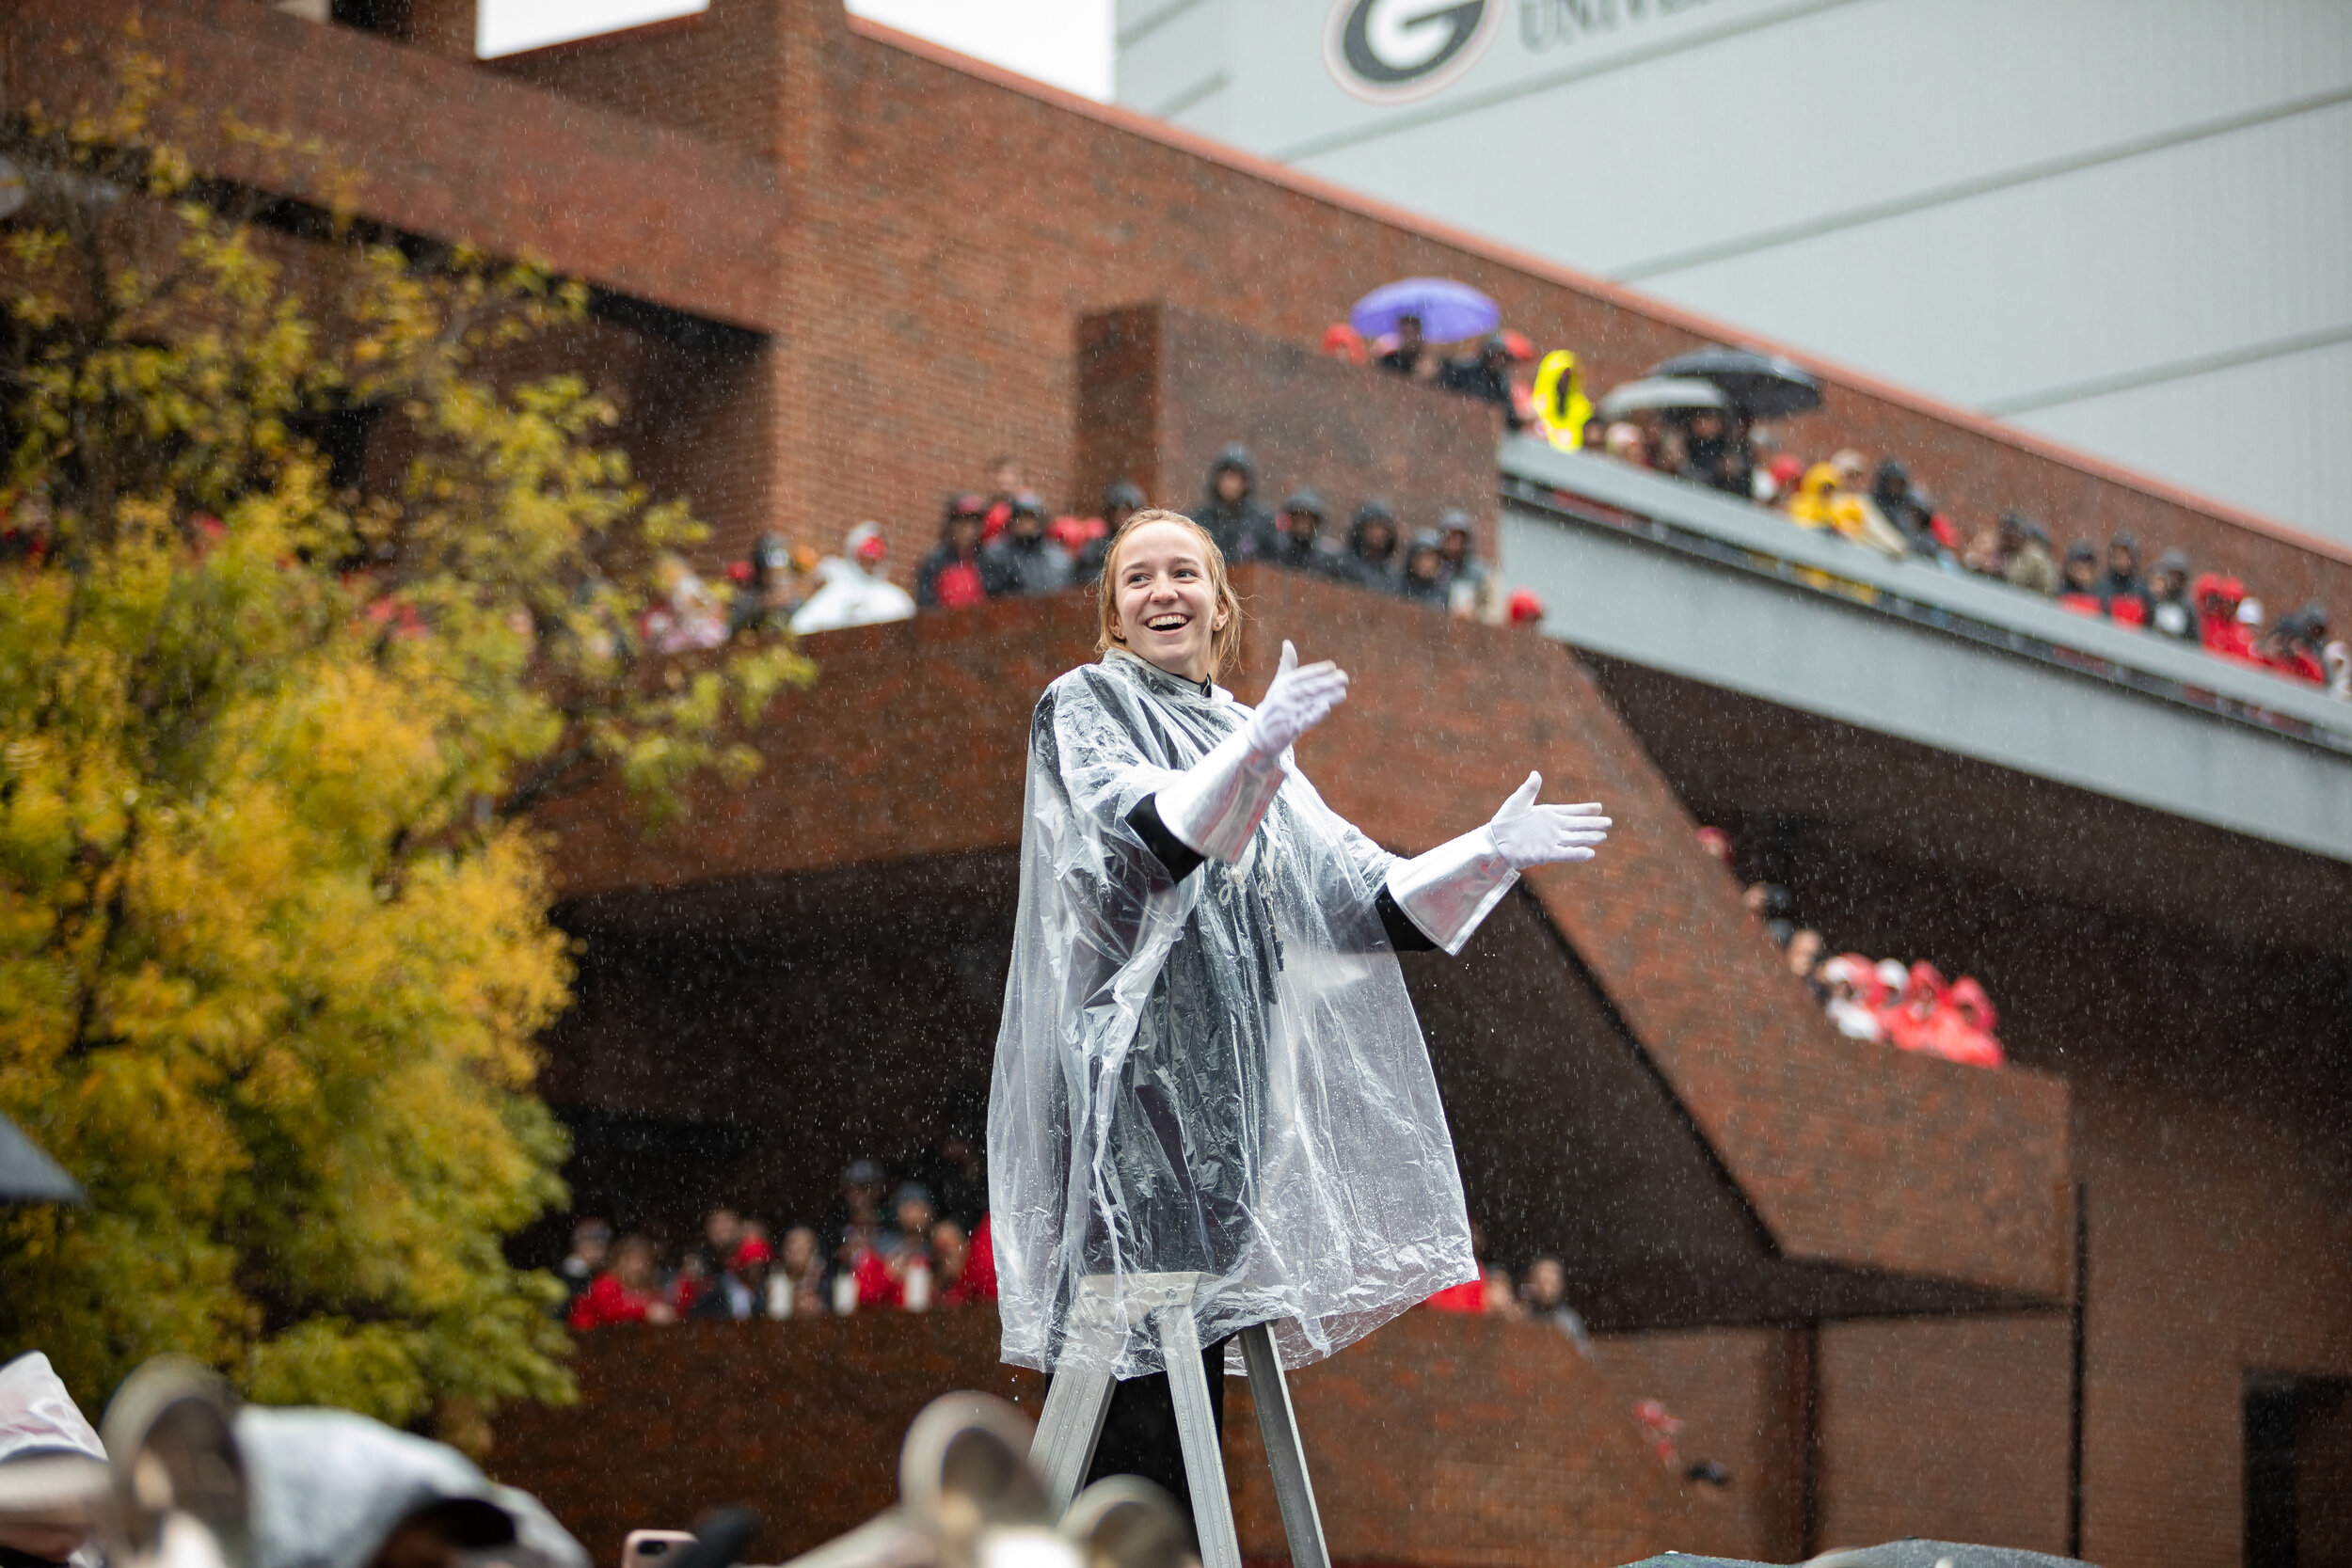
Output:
x=914 y=746
x=920 y=234
x=1447 y=1441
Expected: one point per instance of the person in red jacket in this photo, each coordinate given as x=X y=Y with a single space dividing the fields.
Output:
x=2291 y=647
x=1910 y=1022
x=949 y=577
x=1962 y=1030
x=977 y=1281
x=2217 y=626
x=627 y=1292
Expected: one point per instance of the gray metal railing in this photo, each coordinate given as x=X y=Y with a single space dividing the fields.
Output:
x=1592 y=491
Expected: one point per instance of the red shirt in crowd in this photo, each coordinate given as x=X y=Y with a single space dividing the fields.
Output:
x=1468 y=1296
x=609 y=1301
x=978 y=1282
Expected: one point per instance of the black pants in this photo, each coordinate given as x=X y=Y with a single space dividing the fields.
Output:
x=1139 y=1431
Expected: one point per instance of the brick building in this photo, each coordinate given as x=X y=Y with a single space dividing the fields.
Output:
x=2102 y=1300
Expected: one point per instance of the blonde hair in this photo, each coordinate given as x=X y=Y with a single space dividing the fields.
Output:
x=1224 y=641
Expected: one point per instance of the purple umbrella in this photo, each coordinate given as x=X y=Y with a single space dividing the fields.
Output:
x=1449 y=311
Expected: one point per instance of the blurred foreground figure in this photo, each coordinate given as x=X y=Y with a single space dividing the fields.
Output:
x=38 y=1420
x=854 y=592
x=334 y=1490
x=1213 y=1104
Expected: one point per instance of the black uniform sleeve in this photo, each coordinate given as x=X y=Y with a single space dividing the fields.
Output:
x=1403 y=935
x=1180 y=858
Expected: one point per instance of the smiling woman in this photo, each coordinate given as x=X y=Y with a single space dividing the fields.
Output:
x=1165 y=598
x=1209 y=1077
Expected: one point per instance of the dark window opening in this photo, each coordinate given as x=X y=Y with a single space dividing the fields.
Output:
x=2299 y=1472
x=387 y=17
x=341 y=436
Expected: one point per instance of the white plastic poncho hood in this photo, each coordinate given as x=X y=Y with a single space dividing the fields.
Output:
x=329 y=1487
x=38 y=1417
x=38 y=1420
x=1218 y=1075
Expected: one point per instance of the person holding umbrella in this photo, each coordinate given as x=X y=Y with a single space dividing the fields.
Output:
x=1410 y=356
x=1419 y=311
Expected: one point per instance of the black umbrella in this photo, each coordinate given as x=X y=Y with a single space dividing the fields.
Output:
x=29 y=1176
x=1761 y=385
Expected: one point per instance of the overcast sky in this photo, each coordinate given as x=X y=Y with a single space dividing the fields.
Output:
x=1066 y=42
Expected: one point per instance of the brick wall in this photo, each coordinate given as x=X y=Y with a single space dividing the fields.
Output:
x=1953 y=1428
x=947 y=226
x=972 y=220
x=913 y=745
x=439 y=146
x=718 y=74
x=2207 y=1076
x=1731 y=1390
x=1161 y=392
x=1440 y=1441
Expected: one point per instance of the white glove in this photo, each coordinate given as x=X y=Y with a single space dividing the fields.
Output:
x=1528 y=834
x=1294 y=703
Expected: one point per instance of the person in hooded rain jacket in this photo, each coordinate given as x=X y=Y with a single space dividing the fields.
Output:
x=1021 y=560
x=2170 y=609
x=1900 y=503
x=2029 y=565
x=1961 y=1028
x=1909 y=1017
x=949 y=577
x=1371 y=559
x=2219 y=627
x=1296 y=543
x=853 y=589
x=2079 y=582
x=1424 y=577
x=2126 y=597
x=1470 y=588
x=2293 y=646
x=1231 y=510
x=1209 y=1078
x=1486 y=377
x=1818 y=503
x=1562 y=410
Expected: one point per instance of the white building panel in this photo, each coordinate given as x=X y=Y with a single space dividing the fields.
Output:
x=2046 y=212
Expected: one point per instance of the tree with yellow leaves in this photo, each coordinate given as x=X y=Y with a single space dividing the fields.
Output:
x=275 y=943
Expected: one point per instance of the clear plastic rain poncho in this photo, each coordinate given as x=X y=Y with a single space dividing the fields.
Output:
x=1218 y=1075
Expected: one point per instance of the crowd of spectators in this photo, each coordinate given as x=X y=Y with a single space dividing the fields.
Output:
x=1001 y=542
x=1880 y=508
x=1910 y=1006
x=1883 y=509
x=913 y=1247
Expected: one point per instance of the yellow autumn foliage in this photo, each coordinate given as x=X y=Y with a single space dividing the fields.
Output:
x=275 y=943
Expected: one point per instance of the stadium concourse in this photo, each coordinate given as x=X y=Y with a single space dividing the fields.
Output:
x=2097 y=1302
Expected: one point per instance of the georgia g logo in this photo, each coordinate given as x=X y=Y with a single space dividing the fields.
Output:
x=1392 y=50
